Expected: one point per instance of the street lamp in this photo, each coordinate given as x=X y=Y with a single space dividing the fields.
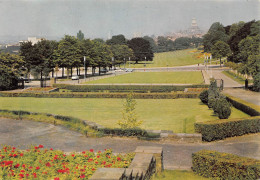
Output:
x=84 y=68
x=129 y=62
x=124 y=63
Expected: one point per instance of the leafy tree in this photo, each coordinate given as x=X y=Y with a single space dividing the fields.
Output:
x=141 y=49
x=68 y=53
x=121 y=52
x=80 y=35
x=220 y=49
x=164 y=44
x=129 y=119
x=152 y=43
x=256 y=82
x=215 y=33
x=117 y=40
x=204 y=96
x=10 y=67
x=99 y=40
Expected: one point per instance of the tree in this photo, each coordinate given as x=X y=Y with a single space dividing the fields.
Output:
x=220 y=49
x=10 y=67
x=152 y=43
x=215 y=33
x=121 y=53
x=80 y=35
x=68 y=53
x=141 y=48
x=129 y=119
x=117 y=40
x=164 y=44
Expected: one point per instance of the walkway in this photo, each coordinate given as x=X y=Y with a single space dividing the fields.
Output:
x=176 y=155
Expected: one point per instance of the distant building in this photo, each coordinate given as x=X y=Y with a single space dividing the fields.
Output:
x=34 y=40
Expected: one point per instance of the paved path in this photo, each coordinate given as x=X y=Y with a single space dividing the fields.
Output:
x=176 y=155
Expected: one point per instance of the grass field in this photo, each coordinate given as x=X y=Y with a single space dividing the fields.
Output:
x=170 y=59
x=178 y=175
x=182 y=77
x=178 y=115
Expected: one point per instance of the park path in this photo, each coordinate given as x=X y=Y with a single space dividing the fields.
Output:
x=177 y=155
x=235 y=89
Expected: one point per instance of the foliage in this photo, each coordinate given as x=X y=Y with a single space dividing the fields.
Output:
x=220 y=49
x=152 y=43
x=221 y=129
x=117 y=40
x=124 y=132
x=222 y=108
x=164 y=44
x=8 y=80
x=213 y=93
x=126 y=88
x=219 y=165
x=256 y=82
x=187 y=42
x=204 y=96
x=215 y=33
x=129 y=117
x=251 y=109
x=121 y=53
x=38 y=162
x=141 y=48
x=177 y=175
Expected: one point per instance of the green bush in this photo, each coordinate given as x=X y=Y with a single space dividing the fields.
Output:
x=8 y=80
x=211 y=102
x=123 y=132
x=256 y=82
x=221 y=129
x=126 y=88
x=246 y=107
x=213 y=164
x=204 y=96
x=101 y=95
x=222 y=108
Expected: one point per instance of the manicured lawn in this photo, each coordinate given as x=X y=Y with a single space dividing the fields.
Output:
x=239 y=79
x=178 y=175
x=170 y=59
x=165 y=114
x=182 y=77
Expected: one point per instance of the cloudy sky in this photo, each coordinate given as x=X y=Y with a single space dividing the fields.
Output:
x=96 y=18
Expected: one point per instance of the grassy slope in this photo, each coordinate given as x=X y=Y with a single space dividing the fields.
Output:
x=157 y=114
x=178 y=175
x=239 y=79
x=184 y=77
x=173 y=58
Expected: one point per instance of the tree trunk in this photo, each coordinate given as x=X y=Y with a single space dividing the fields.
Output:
x=71 y=71
x=41 y=80
x=68 y=72
x=52 y=72
x=79 y=71
x=86 y=71
x=220 y=62
x=62 y=72
x=99 y=70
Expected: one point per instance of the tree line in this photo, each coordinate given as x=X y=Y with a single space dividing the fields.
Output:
x=240 y=43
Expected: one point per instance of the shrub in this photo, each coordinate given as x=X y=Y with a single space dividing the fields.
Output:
x=221 y=129
x=224 y=166
x=124 y=132
x=222 y=108
x=204 y=96
x=256 y=82
x=8 y=80
x=211 y=102
x=246 y=107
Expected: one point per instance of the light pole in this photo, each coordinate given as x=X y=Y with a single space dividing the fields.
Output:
x=84 y=68
x=124 y=63
x=210 y=67
x=113 y=63
x=129 y=62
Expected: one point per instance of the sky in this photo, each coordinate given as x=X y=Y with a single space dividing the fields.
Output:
x=98 y=18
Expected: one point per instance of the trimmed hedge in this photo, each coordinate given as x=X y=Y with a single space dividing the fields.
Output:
x=224 y=166
x=126 y=88
x=248 y=108
x=123 y=132
x=101 y=95
x=221 y=129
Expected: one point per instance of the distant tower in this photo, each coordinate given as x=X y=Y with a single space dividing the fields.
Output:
x=194 y=29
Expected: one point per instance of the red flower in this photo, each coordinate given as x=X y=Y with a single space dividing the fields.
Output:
x=73 y=155
x=93 y=169
x=82 y=176
x=91 y=150
x=22 y=170
x=40 y=146
x=21 y=154
x=64 y=155
x=17 y=165
x=14 y=148
x=35 y=147
x=34 y=175
x=21 y=175
x=23 y=165
x=14 y=155
x=98 y=156
x=48 y=164
x=27 y=175
x=56 y=178
x=90 y=160
x=83 y=152
x=96 y=162
x=37 y=168
x=118 y=158
x=51 y=149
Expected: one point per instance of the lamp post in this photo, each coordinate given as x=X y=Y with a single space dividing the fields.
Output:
x=124 y=63
x=129 y=62
x=84 y=68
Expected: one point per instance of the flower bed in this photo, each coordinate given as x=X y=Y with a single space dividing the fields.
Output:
x=40 y=163
x=40 y=90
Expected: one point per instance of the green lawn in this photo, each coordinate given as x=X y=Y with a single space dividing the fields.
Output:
x=170 y=59
x=181 y=77
x=178 y=175
x=165 y=114
x=239 y=79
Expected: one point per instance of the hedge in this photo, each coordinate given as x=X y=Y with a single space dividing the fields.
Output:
x=213 y=164
x=221 y=129
x=127 y=88
x=248 y=108
x=101 y=95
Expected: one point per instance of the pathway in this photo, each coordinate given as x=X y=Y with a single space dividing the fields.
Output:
x=177 y=155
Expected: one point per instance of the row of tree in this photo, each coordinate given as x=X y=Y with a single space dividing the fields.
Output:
x=239 y=42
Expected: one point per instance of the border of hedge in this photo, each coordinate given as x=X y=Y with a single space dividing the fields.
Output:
x=127 y=88
x=214 y=164
x=248 y=108
x=172 y=95
x=221 y=129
